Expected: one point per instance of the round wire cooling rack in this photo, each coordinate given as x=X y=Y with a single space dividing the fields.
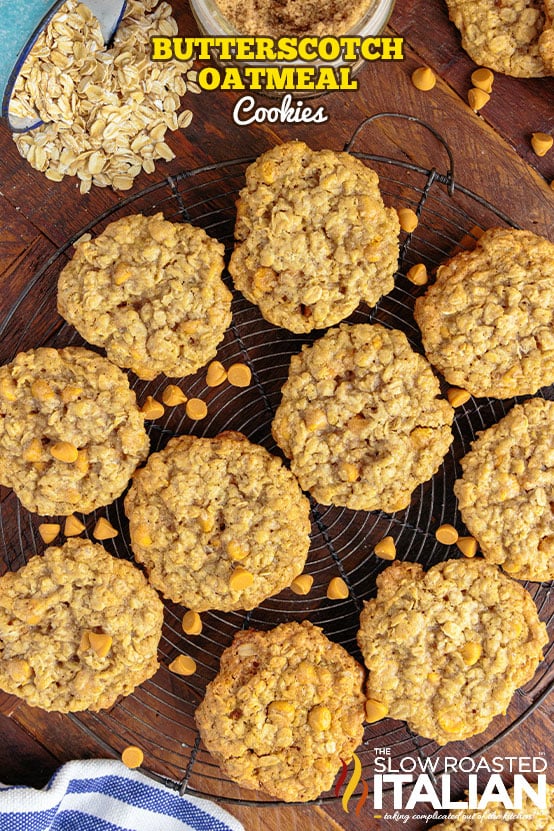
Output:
x=159 y=716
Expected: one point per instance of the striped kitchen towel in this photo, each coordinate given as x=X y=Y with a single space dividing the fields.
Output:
x=104 y=795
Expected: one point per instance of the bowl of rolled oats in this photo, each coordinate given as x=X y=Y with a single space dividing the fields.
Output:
x=22 y=24
x=101 y=109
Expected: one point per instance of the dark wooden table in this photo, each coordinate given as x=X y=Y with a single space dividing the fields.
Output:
x=493 y=157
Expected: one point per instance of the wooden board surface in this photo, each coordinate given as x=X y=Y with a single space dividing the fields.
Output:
x=492 y=157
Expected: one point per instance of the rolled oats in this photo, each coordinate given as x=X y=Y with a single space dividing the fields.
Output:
x=105 y=112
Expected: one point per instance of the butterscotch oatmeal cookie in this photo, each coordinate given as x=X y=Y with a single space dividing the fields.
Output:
x=150 y=292
x=487 y=322
x=78 y=628
x=219 y=523
x=447 y=648
x=285 y=708
x=496 y=817
x=503 y=35
x=506 y=491
x=71 y=434
x=313 y=238
x=361 y=419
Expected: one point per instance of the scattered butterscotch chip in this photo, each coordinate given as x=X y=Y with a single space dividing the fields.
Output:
x=192 y=623
x=302 y=584
x=73 y=526
x=386 y=549
x=457 y=396
x=152 y=409
x=215 y=374
x=239 y=375
x=408 y=219
x=417 y=275
x=337 y=589
x=196 y=409
x=467 y=545
x=447 y=534
x=483 y=79
x=64 y=451
x=48 y=531
x=173 y=395
x=104 y=530
x=477 y=98
x=240 y=579
x=100 y=642
x=183 y=665
x=375 y=710
x=424 y=78
x=541 y=143
x=132 y=757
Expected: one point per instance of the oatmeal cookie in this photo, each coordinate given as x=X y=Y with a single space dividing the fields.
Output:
x=361 y=419
x=219 y=523
x=78 y=628
x=506 y=492
x=496 y=817
x=504 y=36
x=71 y=434
x=447 y=648
x=285 y=708
x=487 y=322
x=150 y=292
x=313 y=238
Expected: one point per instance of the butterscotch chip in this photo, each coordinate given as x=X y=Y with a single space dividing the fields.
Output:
x=91 y=409
x=152 y=409
x=446 y=534
x=483 y=79
x=216 y=374
x=239 y=375
x=104 y=530
x=302 y=584
x=73 y=526
x=506 y=491
x=227 y=524
x=360 y=393
x=313 y=238
x=173 y=395
x=286 y=706
x=337 y=589
x=85 y=624
x=132 y=757
x=183 y=665
x=487 y=322
x=504 y=37
x=527 y=817
x=49 y=531
x=196 y=409
x=169 y=313
x=422 y=623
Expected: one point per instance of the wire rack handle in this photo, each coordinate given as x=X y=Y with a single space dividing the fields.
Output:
x=448 y=179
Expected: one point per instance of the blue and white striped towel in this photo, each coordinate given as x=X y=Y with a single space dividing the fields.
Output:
x=104 y=795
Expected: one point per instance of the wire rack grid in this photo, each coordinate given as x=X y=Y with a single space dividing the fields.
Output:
x=159 y=716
